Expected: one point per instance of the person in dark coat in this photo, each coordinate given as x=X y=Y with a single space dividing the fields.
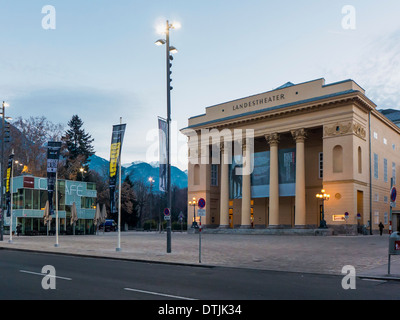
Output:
x=381 y=226
x=18 y=230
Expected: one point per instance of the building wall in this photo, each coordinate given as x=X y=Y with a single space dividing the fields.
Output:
x=336 y=118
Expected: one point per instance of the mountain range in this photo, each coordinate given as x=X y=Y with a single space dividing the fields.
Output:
x=140 y=171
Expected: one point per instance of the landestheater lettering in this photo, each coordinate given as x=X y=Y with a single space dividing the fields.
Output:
x=257 y=102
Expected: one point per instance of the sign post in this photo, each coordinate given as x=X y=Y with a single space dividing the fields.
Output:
x=167 y=214
x=393 y=195
x=201 y=212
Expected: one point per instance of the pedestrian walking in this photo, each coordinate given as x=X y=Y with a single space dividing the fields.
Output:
x=18 y=230
x=381 y=226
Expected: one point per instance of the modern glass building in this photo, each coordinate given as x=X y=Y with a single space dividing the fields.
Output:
x=29 y=201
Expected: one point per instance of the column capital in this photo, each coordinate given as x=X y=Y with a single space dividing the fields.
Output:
x=273 y=138
x=246 y=143
x=299 y=135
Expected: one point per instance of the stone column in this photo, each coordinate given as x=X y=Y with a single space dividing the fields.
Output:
x=300 y=201
x=246 y=187
x=224 y=198
x=273 y=140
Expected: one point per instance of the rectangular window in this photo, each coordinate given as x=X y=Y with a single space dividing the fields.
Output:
x=91 y=186
x=375 y=135
x=43 y=199
x=35 y=199
x=385 y=218
x=321 y=165
x=376 y=217
x=394 y=172
x=384 y=141
x=375 y=166
x=214 y=175
x=28 y=198
x=385 y=170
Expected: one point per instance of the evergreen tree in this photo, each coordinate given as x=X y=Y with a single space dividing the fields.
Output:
x=79 y=148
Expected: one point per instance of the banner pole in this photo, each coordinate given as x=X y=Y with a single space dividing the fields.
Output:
x=11 y=200
x=56 y=245
x=119 y=197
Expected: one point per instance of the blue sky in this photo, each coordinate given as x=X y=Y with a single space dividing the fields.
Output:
x=101 y=62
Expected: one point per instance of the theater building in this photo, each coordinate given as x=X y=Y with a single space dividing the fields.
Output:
x=296 y=140
x=29 y=201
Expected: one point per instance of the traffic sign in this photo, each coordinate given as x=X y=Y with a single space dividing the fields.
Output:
x=201 y=203
x=167 y=212
x=393 y=194
x=201 y=212
x=346 y=215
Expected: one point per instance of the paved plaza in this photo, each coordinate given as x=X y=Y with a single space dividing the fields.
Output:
x=296 y=253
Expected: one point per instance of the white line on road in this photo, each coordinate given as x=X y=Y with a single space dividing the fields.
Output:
x=159 y=294
x=44 y=274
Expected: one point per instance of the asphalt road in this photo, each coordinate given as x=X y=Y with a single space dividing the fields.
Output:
x=83 y=278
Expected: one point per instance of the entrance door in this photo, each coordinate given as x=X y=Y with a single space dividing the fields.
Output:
x=360 y=207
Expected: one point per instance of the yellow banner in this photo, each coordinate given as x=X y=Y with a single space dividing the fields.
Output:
x=115 y=149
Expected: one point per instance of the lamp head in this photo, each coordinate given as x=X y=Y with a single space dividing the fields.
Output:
x=172 y=49
x=160 y=42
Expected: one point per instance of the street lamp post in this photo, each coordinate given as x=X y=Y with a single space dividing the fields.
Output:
x=151 y=180
x=169 y=58
x=324 y=197
x=194 y=223
x=82 y=171
x=4 y=104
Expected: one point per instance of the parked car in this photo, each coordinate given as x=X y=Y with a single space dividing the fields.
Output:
x=111 y=225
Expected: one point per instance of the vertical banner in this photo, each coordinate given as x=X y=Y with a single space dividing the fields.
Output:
x=162 y=138
x=53 y=155
x=8 y=185
x=116 y=145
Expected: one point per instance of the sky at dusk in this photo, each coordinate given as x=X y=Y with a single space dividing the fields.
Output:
x=100 y=61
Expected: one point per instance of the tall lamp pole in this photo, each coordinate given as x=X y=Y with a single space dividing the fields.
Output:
x=324 y=197
x=169 y=58
x=4 y=104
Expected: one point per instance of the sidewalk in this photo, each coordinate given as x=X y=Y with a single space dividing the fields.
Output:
x=310 y=254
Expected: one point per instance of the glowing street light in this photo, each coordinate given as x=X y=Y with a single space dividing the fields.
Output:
x=194 y=203
x=324 y=197
x=169 y=58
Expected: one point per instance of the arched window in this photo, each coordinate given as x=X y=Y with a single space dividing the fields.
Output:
x=359 y=160
x=337 y=159
x=196 y=175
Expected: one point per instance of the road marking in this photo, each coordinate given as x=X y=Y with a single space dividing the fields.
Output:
x=159 y=294
x=44 y=274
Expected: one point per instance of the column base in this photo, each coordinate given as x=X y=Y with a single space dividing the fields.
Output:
x=223 y=226
x=245 y=226
x=277 y=226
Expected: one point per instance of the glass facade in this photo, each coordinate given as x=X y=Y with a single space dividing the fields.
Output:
x=29 y=201
x=260 y=174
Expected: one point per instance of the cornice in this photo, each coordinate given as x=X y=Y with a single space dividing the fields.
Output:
x=331 y=101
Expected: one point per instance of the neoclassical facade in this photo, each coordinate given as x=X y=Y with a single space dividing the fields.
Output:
x=259 y=161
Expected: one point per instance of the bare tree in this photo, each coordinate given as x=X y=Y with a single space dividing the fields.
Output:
x=30 y=144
